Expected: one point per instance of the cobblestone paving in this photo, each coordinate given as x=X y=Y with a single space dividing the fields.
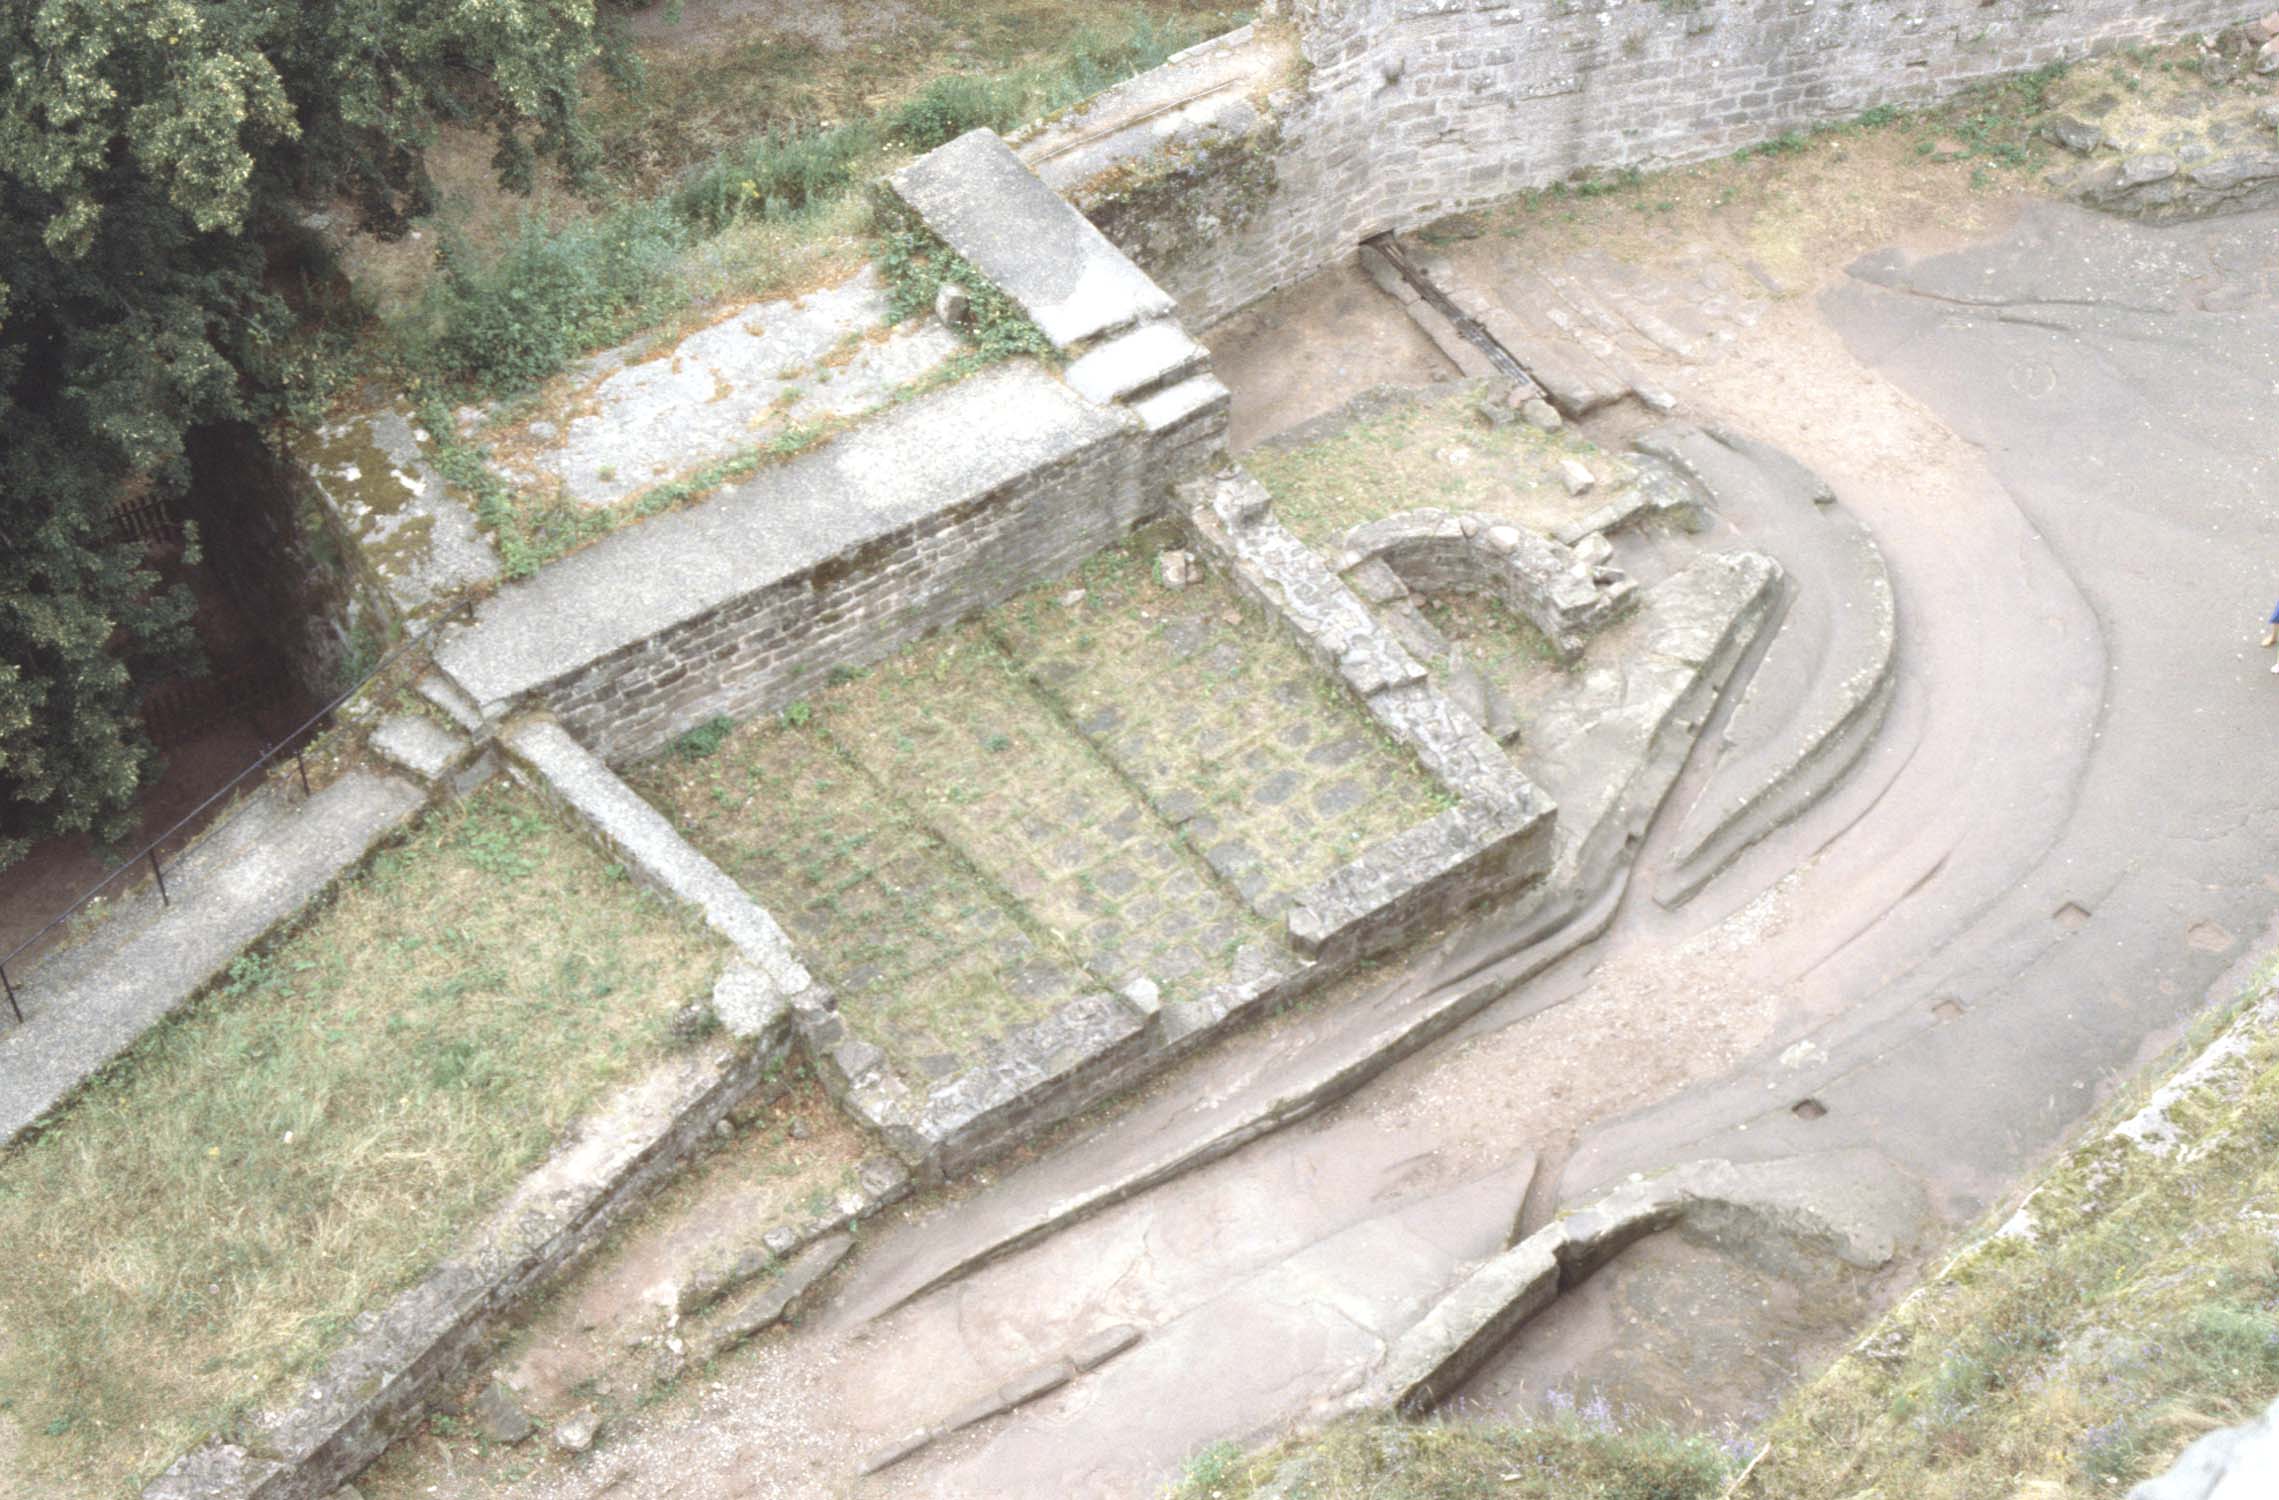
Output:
x=1260 y=759
x=956 y=728
x=929 y=960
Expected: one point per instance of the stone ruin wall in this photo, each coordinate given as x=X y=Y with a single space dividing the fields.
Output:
x=1407 y=110
x=780 y=643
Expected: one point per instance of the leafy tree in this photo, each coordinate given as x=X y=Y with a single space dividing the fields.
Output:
x=152 y=155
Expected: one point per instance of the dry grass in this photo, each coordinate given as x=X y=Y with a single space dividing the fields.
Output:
x=1582 y=1456
x=1430 y=448
x=929 y=959
x=204 y=1220
x=2143 y=1312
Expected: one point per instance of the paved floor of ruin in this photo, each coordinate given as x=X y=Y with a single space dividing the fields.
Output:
x=2056 y=850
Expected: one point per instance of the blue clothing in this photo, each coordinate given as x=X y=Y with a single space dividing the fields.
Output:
x=2274 y=620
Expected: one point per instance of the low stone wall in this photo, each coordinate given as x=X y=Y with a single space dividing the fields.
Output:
x=435 y=1332
x=1407 y=110
x=1541 y=580
x=831 y=560
x=1494 y=840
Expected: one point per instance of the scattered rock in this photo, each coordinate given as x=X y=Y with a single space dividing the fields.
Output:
x=2267 y=59
x=2077 y=136
x=1577 y=478
x=690 y=1021
x=1656 y=398
x=781 y=1240
x=1594 y=549
x=2152 y=166
x=2268 y=115
x=1175 y=569
x=1072 y=598
x=575 y=1433
x=499 y=1416
x=799 y=1129
x=1541 y=415
x=1503 y=538
x=2265 y=30
x=1494 y=413
x=723 y=1129
x=953 y=304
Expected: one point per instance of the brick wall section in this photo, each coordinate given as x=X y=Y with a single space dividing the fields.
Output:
x=779 y=643
x=1417 y=108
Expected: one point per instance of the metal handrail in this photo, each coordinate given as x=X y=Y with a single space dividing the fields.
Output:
x=148 y=854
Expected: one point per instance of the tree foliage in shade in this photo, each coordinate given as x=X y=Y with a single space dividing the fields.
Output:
x=152 y=157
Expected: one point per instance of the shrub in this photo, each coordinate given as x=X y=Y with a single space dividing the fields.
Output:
x=515 y=319
x=950 y=106
x=780 y=175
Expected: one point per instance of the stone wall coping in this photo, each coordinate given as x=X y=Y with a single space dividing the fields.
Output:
x=430 y=1334
x=545 y=755
x=899 y=467
x=989 y=207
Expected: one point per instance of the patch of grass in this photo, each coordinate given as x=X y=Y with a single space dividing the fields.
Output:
x=916 y=264
x=201 y=1224
x=498 y=323
x=776 y=176
x=1568 y=1457
x=1434 y=450
x=928 y=958
x=2140 y=1314
x=502 y=319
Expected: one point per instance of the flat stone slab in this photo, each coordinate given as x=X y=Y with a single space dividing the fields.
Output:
x=418 y=538
x=84 y=1006
x=991 y=209
x=657 y=853
x=763 y=370
x=895 y=470
x=418 y=745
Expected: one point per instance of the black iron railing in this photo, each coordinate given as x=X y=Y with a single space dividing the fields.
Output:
x=294 y=745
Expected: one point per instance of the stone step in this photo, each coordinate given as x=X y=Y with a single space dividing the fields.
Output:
x=1168 y=408
x=1137 y=364
x=447 y=695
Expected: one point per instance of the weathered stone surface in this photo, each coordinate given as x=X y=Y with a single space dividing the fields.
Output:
x=419 y=745
x=1131 y=364
x=1576 y=476
x=256 y=869
x=414 y=534
x=499 y=1416
x=1042 y=1380
x=990 y=208
x=779 y=1299
x=2077 y=136
x=1818 y=696
x=895 y=1452
x=1451 y=1340
x=1436 y=551
x=1098 y=1348
x=732 y=386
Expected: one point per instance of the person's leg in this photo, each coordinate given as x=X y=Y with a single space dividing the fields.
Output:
x=2271 y=631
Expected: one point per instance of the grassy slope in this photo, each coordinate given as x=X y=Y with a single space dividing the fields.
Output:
x=208 y=1215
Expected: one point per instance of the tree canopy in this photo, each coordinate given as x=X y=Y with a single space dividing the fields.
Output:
x=153 y=154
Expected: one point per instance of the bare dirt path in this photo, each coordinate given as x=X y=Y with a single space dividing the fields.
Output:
x=2053 y=851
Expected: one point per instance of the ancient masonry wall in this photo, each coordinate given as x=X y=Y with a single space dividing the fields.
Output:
x=780 y=642
x=1406 y=110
